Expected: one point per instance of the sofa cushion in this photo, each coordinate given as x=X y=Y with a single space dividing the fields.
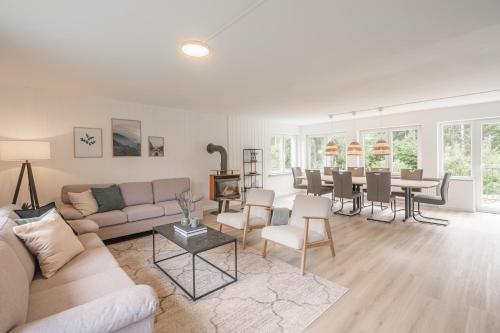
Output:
x=137 y=193
x=51 y=240
x=89 y=262
x=108 y=199
x=109 y=218
x=84 y=202
x=53 y=300
x=170 y=207
x=165 y=189
x=14 y=289
x=29 y=213
x=17 y=245
x=70 y=213
x=142 y=212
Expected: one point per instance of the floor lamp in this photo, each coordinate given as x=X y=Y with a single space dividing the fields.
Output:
x=25 y=151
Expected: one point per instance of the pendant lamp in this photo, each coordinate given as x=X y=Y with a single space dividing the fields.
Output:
x=354 y=148
x=381 y=147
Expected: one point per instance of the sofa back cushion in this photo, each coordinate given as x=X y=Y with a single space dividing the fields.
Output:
x=137 y=193
x=7 y=235
x=14 y=289
x=165 y=189
x=78 y=189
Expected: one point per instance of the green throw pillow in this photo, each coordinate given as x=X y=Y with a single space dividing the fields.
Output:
x=108 y=198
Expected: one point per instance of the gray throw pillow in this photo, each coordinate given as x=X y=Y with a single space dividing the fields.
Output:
x=108 y=198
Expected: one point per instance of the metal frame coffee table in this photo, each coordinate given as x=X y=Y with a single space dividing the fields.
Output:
x=195 y=245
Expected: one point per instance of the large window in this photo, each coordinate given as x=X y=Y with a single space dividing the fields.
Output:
x=283 y=153
x=316 y=151
x=457 y=149
x=404 y=144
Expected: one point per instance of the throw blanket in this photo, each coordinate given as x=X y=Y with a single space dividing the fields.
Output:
x=280 y=216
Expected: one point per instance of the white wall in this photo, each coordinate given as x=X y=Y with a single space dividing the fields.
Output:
x=461 y=191
x=30 y=114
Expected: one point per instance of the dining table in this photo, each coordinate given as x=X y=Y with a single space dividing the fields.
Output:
x=406 y=185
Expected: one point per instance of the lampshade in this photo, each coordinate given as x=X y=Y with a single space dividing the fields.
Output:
x=354 y=148
x=24 y=150
x=381 y=148
x=331 y=149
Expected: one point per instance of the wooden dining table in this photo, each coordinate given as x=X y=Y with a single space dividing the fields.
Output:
x=406 y=185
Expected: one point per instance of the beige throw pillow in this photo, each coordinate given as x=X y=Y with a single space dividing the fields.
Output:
x=51 y=240
x=84 y=202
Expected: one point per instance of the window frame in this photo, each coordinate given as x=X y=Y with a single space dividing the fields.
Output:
x=389 y=159
x=293 y=158
x=440 y=140
x=326 y=137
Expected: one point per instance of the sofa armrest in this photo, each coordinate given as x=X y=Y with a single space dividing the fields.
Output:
x=83 y=226
x=106 y=314
x=197 y=197
x=70 y=213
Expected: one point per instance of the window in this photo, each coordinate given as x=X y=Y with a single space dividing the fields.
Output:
x=283 y=153
x=316 y=151
x=404 y=143
x=457 y=149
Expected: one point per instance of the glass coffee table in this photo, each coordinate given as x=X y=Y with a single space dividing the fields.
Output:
x=194 y=246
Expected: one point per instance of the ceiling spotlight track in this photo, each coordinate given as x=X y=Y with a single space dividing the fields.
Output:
x=415 y=102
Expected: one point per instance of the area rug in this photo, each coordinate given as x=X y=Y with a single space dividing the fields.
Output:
x=269 y=296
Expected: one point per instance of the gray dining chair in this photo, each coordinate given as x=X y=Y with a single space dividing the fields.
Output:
x=437 y=200
x=357 y=171
x=378 y=186
x=328 y=171
x=409 y=175
x=298 y=183
x=314 y=184
x=343 y=189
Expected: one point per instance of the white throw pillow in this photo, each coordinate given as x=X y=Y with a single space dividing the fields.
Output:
x=84 y=202
x=51 y=240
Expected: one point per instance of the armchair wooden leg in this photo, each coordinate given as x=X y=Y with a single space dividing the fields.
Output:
x=303 y=261
x=220 y=227
x=330 y=238
x=264 y=249
x=245 y=233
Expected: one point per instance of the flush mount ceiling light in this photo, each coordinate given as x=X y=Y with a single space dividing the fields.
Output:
x=195 y=48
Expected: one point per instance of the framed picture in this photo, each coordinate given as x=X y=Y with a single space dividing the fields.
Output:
x=126 y=137
x=87 y=142
x=156 y=146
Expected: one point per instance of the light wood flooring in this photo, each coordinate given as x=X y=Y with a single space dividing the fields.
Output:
x=406 y=276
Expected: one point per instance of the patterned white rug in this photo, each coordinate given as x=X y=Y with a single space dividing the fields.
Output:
x=269 y=296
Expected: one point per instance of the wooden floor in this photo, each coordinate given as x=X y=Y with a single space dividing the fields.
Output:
x=407 y=277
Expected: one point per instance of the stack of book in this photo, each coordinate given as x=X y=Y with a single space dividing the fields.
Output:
x=187 y=231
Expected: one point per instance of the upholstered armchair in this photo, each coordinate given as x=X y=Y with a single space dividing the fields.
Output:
x=256 y=213
x=308 y=227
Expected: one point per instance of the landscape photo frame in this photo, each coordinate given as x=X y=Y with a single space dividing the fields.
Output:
x=156 y=146
x=87 y=142
x=127 y=137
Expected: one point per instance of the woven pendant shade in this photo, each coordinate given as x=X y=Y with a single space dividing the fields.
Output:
x=331 y=149
x=354 y=148
x=381 y=148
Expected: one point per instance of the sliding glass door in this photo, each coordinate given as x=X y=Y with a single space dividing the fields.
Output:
x=489 y=193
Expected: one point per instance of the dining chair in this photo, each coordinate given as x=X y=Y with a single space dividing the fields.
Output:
x=255 y=215
x=437 y=200
x=308 y=227
x=314 y=184
x=298 y=183
x=408 y=174
x=343 y=189
x=378 y=186
x=328 y=171
x=357 y=171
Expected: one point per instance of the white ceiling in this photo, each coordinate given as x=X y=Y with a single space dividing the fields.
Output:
x=290 y=60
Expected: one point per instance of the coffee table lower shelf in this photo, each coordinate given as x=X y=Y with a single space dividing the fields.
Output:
x=195 y=255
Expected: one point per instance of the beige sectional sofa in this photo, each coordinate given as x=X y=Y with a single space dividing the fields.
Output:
x=89 y=294
x=148 y=204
